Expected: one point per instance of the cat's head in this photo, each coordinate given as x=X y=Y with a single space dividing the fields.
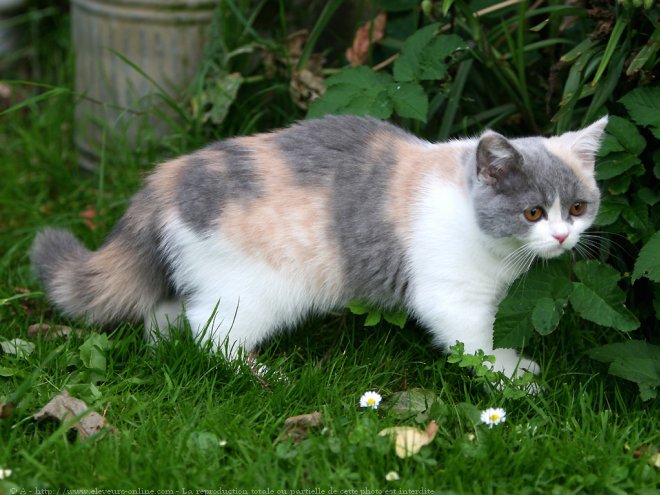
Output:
x=541 y=191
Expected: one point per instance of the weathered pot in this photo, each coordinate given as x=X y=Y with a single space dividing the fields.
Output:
x=164 y=38
x=9 y=33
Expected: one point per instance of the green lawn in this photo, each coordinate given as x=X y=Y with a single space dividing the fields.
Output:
x=185 y=420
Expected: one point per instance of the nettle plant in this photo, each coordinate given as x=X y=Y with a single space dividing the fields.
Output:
x=441 y=69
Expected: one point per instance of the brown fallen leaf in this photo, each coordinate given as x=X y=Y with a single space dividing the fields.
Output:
x=368 y=34
x=297 y=428
x=51 y=332
x=6 y=409
x=408 y=440
x=64 y=408
x=308 y=84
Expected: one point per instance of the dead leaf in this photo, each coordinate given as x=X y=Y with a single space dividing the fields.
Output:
x=6 y=409
x=308 y=84
x=5 y=96
x=51 y=332
x=65 y=408
x=297 y=428
x=408 y=440
x=643 y=450
x=18 y=347
x=295 y=43
x=367 y=35
x=88 y=217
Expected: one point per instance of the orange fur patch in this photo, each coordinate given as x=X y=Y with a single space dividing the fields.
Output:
x=288 y=226
x=417 y=162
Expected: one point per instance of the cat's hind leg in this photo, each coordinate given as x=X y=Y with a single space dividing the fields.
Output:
x=167 y=314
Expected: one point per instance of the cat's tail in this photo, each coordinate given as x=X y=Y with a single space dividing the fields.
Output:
x=123 y=280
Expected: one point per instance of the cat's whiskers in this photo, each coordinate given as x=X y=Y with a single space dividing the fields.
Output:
x=516 y=262
x=593 y=243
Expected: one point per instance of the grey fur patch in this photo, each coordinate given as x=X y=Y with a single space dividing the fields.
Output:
x=205 y=186
x=51 y=248
x=337 y=152
x=535 y=178
x=144 y=240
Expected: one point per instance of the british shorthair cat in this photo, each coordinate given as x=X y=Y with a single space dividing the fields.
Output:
x=249 y=235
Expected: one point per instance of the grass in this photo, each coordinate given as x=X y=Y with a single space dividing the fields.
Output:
x=171 y=405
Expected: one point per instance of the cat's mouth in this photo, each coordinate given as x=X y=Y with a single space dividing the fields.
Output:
x=549 y=250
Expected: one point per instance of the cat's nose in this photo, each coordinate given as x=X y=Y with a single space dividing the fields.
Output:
x=560 y=237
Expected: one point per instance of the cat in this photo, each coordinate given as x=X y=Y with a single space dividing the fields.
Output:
x=249 y=235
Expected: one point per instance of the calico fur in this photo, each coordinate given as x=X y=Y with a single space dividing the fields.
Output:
x=251 y=234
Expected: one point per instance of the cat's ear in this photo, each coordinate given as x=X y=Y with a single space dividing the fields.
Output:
x=496 y=157
x=586 y=142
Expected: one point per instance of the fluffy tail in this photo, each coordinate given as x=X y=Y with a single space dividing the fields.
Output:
x=123 y=280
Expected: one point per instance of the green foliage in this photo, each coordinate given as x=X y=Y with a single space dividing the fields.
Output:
x=374 y=315
x=648 y=262
x=633 y=360
x=363 y=91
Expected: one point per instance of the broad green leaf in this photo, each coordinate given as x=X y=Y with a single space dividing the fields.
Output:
x=637 y=215
x=93 y=356
x=411 y=402
x=648 y=261
x=610 y=210
x=358 y=307
x=203 y=442
x=597 y=275
x=615 y=164
x=635 y=360
x=514 y=324
x=593 y=307
x=546 y=314
x=643 y=105
x=423 y=55
x=609 y=145
x=6 y=371
x=409 y=100
x=373 y=318
x=648 y=195
x=357 y=91
x=397 y=318
x=626 y=134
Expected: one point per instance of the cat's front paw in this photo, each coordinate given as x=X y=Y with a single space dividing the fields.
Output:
x=509 y=362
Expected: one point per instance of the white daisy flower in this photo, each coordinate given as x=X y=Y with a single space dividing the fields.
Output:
x=493 y=416
x=392 y=476
x=4 y=473
x=370 y=399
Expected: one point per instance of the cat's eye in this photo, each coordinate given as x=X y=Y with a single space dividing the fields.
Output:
x=577 y=208
x=533 y=214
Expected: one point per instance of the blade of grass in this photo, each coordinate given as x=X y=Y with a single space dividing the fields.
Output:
x=612 y=44
x=321 y=23
x=35 y=99
x=162 y=93
x=454 y=98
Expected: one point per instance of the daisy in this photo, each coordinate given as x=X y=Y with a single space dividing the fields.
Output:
x=493 y=416
x=4 y=473
x=392 y=476
x=370 y=399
